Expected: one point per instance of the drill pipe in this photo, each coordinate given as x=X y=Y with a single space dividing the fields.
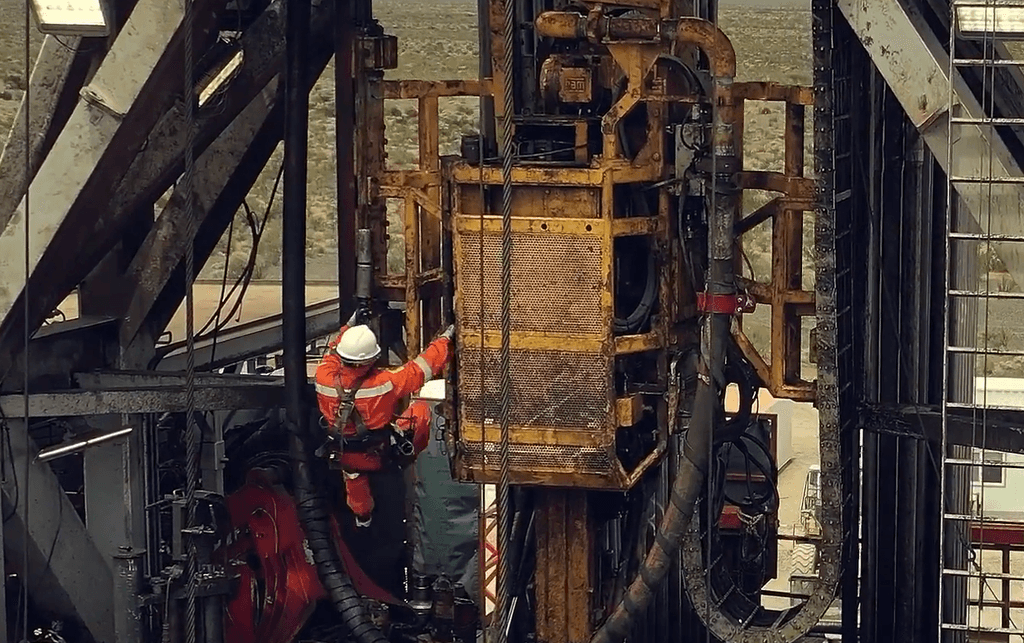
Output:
x=721 y=282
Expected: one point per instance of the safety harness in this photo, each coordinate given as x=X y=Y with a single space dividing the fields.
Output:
x=401 y=448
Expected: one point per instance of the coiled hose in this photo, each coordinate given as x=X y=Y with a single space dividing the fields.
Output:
x=315 y=518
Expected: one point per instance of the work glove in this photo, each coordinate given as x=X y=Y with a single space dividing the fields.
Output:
x=449 y=332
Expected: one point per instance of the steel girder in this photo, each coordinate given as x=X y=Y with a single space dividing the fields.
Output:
x=68 y=196
x=63 y=348
x=165 y=245
x=166 y=289
x=114 y=380
x=45 y=90
x=255 y=338
x=1001 y=430
x=916 y=66
x=67 y=574
x=170 y=399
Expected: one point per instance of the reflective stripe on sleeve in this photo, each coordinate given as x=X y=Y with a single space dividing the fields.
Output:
x=428 y=373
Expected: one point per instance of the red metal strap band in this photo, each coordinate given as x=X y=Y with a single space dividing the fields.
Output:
x=725 y=304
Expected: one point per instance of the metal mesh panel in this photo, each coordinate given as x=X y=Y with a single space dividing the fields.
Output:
x=549 y=388
x=537 y=457
x=556 y=283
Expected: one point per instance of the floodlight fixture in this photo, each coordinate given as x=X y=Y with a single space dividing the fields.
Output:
x=90 y=18
x=83 y=443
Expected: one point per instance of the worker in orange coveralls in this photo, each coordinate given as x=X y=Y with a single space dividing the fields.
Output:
x=369 y=433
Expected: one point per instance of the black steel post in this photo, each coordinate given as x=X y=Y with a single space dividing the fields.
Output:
x=293 y=260
x=345 y=122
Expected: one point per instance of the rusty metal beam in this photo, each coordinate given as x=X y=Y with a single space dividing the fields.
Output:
x=564 y=572
x=169 y=399
x=46 y=90
x=170 y=290
x=434 y=88
x=62 y=348
x=164 y=247
x=106 y=131
x=1001 y=429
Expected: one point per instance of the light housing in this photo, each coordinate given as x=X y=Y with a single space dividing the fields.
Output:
x=82 y=443
x=90 y=18
x=990 y=20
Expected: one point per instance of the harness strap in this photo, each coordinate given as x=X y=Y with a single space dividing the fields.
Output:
x=347 y=407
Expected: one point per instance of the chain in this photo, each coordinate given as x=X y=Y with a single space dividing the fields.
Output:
x=191 y=429
x=506 y=319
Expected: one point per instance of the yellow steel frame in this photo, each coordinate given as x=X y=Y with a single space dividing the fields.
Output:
x=598 y=225
x=419 y=285
x=789 y=302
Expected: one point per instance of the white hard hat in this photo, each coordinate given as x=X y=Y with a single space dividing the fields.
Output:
x=358 y=345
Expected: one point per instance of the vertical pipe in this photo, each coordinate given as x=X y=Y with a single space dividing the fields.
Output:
x=293 y=260
x=213 y=619
x=345 y=120
x=127 y=579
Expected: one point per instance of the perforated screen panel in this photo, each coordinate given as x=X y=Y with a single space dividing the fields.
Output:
x=540 y=458
x=549 y=388
x=557 y=281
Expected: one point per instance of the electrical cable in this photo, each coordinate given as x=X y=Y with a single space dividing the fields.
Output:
x=244 y=279
x=223 y=287
x=639 y=315
x=696 y=452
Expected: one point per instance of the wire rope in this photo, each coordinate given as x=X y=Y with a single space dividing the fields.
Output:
x=191 y=428
x=505 y=388
x=27 y=314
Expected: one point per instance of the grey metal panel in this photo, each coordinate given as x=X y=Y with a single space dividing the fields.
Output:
x=445 y=516
x=150 y=400
x=45 y=90
x=915 y=66
x=251 y=339
x=66 y=572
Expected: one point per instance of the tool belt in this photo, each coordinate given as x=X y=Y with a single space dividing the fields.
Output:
x=389 y=443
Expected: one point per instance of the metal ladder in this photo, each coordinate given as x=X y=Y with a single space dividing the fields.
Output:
x=978 y=592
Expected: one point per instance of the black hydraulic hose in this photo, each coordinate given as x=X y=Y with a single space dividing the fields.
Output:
x=685 y=491
x=694 y=455
x=315 y=519
x=312 y=508
x=643 y=309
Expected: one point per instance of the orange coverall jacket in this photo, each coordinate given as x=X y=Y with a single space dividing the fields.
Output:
x=375 y=401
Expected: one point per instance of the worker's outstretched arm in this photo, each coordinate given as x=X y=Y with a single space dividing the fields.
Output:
x=414 y=374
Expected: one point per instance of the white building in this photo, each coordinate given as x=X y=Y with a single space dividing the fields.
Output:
x=997 y=490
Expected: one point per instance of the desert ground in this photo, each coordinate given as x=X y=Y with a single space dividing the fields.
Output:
x=437 y=40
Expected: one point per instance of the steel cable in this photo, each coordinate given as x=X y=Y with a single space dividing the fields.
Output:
x=191 y=430
x=506 y=318
x=27 y=335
